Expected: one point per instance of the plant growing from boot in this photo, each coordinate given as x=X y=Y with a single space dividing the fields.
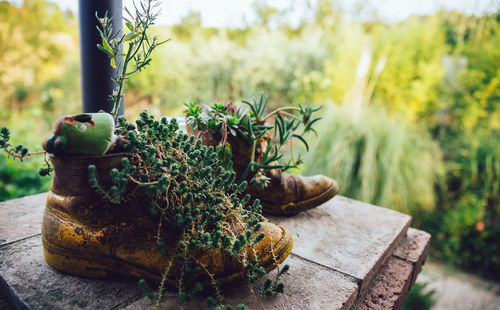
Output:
x=193 y=197
x=251 y=124
x=186 y=188
x=138 y=53
x=140 y=45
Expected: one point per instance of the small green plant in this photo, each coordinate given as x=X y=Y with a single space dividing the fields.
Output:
x=140 y=45
x=251 y=124
x=195 y=200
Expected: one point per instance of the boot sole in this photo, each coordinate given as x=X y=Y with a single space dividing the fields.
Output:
x=293 y=208
x=79 y=263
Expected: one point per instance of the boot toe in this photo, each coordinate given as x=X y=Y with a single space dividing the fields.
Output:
x=310 y=192
x=274 y=248
x=317 y=185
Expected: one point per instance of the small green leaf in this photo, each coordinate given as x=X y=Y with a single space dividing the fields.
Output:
x=106 y=46
x=303 y=141
x=113 y=63
x=101 y=48
x=131 y=36
x=129 y=26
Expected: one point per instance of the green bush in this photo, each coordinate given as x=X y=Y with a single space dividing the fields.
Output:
x=377 y=159
x=419 y=298
x=467 y=229
x=18 y=180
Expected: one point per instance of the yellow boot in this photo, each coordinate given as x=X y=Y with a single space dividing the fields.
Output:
x=86 y=236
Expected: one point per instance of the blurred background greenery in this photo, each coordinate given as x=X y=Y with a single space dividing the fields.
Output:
x=411 y=117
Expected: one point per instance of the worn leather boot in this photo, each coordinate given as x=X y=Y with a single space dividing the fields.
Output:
x=286 y=194
x=86 y=236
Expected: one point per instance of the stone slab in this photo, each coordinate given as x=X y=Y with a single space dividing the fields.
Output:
x=21 y=218
x=308 y=286
x=338 y=249
x=389 y=288
x=35 y=285
x=349 y=236
x=413 y=249
x=30 y=283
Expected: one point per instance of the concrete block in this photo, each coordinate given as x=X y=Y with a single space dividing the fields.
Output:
x=32 y=284
x=349 y=236
x=413 y=249
x=388 y=288
x=21 y=218
x=308 y=286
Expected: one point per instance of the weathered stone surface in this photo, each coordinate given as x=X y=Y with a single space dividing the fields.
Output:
x=308 y=286
x=339 y=246
x=34 y=284
x=388 y=288
x=413 y=246
x=38 y=286
x=349 y=236
x=413 y=249
x=21 y=218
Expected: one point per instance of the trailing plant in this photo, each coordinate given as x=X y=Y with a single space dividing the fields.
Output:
x=194 y=199
x=20 y=152
x=251 y=122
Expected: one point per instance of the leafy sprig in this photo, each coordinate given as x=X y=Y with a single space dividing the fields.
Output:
x=251 y=125
x=21 y=152
x=140 y=45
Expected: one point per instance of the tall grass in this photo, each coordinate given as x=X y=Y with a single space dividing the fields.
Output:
x=377 y=159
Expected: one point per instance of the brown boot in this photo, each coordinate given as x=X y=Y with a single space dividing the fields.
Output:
x=83 y=235
x=286 y=194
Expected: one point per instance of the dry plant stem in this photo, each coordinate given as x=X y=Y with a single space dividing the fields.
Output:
x=212 y=279
x=21 y=157
x=145 y=183
x=163 y=280
x=280 y=110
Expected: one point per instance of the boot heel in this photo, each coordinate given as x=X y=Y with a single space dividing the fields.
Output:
x=74 y=265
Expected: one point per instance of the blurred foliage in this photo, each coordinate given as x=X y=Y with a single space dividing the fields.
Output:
x=420 y=298
x=413 y=107
x=466 y=227
x=378 y=159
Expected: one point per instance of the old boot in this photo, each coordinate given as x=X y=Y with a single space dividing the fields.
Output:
x=86 y=236
x=286 y=194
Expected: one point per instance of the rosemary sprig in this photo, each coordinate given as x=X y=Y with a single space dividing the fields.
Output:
x=140 y=45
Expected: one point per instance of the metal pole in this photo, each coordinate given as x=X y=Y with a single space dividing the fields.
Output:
x=96 y=70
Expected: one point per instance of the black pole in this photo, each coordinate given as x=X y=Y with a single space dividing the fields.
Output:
x=96 y=70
